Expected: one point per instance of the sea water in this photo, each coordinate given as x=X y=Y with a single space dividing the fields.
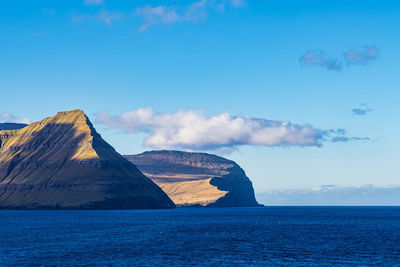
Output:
x=266 y=236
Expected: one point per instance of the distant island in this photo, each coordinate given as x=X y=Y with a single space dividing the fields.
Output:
x=12 y=126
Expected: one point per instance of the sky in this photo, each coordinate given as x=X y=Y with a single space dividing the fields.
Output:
x=301 y=94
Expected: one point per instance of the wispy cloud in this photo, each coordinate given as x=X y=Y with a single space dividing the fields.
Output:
x=108 y=17
x=156 y=15
x=362 y=110
x=319 y=58
x=93 y=2
x=194 y=130
x=8 y=117
x=361 y=56
x=196 y=11
x=337 y=139
x=151 y=16
x=104 y=16
x=341 y=135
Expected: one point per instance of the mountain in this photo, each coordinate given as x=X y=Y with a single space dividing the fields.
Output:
x=61 y=162
x=11 y=126
x=197 y=179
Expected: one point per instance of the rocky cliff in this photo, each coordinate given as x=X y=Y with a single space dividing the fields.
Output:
x=197 y=179
x=61 y=162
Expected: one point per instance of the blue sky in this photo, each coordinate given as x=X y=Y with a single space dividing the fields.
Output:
x=252 y=60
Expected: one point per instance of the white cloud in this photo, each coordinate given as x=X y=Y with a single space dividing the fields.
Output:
x=194 y=130
x=93 y=2
x=7 y=117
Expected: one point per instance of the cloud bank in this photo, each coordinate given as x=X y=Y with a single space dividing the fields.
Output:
x=193 y=130
x=319 y=58
x=332 y=195
x=7 y=117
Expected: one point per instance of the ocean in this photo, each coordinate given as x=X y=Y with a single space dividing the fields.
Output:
x=265 y=236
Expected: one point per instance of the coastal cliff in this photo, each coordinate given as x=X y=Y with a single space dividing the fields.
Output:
x=197 y=179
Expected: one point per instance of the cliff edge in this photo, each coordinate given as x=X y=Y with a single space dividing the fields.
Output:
x=197 y=179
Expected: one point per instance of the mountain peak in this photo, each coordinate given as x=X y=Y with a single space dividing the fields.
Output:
x=62 y=162
x=75 y=116
x=71 y=129
x=71 y=113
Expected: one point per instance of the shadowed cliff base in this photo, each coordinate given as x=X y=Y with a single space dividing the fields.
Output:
x=61 y=162
x=197 y=179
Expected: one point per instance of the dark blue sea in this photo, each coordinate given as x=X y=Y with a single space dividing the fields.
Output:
x=286 y=236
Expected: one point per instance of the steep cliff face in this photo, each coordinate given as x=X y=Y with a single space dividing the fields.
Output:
x=61 y=162
x=197 y=179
